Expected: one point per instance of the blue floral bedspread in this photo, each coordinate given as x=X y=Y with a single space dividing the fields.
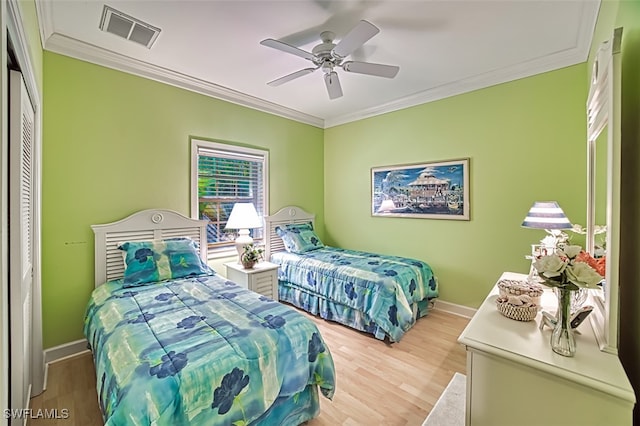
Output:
x=203 y=351
x=384 y=290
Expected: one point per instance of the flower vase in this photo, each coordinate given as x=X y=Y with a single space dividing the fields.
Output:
x=578 y=297
x=563 y=341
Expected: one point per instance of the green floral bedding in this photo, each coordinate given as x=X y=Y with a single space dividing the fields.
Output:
x=204 y=351
x=378 y=294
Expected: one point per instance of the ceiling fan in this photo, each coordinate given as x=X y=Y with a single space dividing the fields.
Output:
x=329 y=55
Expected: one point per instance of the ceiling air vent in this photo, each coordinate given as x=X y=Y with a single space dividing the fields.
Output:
x=125 y=26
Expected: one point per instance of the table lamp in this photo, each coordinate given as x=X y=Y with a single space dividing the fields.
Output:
x=243 y=217
x=546 y=215
x=549 y=216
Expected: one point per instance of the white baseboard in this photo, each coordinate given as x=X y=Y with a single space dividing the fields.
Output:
x=65 y=350
x=452 y=308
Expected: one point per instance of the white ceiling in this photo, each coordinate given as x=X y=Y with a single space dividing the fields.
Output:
x=442 y=47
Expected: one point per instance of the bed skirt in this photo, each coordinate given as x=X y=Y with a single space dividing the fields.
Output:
x=327 y=309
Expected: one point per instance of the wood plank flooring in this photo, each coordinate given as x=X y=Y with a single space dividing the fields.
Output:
x=377 y=383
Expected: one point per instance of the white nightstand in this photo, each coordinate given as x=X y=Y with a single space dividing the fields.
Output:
x=262 y=278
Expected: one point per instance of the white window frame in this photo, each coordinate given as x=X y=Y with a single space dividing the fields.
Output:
x=228 y=150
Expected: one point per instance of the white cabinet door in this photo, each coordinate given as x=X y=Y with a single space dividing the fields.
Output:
x=21 y=171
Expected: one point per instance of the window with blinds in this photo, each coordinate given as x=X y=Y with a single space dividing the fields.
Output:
x=222 y=176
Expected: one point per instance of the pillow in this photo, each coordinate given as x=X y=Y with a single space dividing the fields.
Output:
x=299 y=238
x=160 y=260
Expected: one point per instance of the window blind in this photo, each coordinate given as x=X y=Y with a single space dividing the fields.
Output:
x=225 y=177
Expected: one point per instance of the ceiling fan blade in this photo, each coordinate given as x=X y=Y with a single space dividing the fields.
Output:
x=379 y=70
x=355 y=38
x=333 y=85
x=284 y=47
x=292 y=76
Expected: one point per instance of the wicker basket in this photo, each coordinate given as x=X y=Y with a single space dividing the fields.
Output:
x=516 y=288
x=518 y=313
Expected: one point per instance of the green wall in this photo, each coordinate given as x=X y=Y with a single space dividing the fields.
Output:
x=115 y=143
x=525 y=141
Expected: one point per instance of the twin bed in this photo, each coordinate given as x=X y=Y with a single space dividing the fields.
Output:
x=175 y=344
x=378 y=294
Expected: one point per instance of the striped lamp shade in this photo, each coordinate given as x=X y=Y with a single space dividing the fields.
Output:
x=546 y=215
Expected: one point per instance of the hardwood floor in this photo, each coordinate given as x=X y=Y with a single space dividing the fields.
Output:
x=391 y=384
x=377 y=383
x=71 y=385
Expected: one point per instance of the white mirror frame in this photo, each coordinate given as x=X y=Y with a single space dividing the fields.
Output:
x=603 y=112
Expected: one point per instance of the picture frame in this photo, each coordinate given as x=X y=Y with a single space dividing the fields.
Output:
x=429 y=190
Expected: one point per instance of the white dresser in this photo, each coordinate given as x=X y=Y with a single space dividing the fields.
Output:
x=262 y=278
x=514 y=378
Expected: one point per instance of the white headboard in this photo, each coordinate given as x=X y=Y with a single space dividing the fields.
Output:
x=289 y=214
x=150 y=224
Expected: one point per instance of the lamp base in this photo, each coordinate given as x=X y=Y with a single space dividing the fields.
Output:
x=243 y=239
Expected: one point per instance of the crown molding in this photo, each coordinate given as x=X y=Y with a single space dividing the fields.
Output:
x=477 y=82
x=44 y=12
x=58 y=43
x=575 y=55
x=68 y=46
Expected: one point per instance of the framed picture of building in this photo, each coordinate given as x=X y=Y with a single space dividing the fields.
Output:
x=433 y=190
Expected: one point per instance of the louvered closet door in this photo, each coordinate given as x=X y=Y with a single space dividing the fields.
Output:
x=21 y=140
